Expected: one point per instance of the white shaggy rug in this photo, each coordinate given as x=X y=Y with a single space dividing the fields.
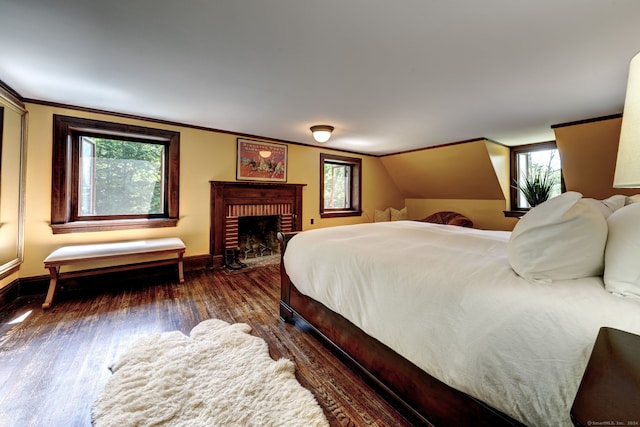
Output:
x=220 y=375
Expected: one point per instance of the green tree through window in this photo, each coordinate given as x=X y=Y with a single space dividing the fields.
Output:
x=120 y=177
x=337 y=186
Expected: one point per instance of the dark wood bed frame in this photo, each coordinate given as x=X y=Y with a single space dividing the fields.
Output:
x=429 y=399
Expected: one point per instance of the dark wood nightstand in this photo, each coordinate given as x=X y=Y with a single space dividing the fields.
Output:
x=609 y=394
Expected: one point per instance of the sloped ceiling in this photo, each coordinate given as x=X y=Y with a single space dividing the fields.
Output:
x=389 y=75
x=460 y=171
x=589 y=152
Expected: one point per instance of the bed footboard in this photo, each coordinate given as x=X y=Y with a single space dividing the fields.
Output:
x=431 y=400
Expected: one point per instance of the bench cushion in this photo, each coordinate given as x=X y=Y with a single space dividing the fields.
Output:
x=110 y=250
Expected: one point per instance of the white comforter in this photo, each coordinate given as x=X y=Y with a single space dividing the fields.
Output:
x=446 y=298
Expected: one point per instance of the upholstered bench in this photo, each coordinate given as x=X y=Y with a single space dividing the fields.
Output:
x=72 y=255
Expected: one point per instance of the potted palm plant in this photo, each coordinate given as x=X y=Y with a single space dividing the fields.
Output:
x=537 y=186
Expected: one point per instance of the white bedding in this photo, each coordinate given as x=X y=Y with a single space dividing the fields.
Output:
x=446 y=298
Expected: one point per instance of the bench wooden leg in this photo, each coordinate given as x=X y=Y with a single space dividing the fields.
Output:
x=180 y=268
x=53 y=283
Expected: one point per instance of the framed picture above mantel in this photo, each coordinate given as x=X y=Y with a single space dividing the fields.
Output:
x=261 y=161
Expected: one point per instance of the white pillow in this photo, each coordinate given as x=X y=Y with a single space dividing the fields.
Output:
x=622 y=255
x=608 y=206
x=381 y=216
x=633 y=199
x=562 y=238
x=617 y=201
x=398 y=215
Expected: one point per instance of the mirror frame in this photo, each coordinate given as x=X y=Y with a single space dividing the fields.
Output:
x=11 y=102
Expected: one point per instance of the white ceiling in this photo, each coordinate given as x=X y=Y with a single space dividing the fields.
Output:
x=390 y=75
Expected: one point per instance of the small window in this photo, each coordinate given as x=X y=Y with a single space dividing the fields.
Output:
x=340 y=186
x=534 y=164
x=109 y=176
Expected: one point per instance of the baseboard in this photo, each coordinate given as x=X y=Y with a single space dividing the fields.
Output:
x=198 y=262
x=38 y=285
x=9 y=293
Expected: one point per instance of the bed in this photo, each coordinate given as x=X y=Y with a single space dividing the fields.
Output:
x=437 y=315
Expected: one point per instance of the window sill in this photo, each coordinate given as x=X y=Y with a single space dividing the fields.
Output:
x=110 y=225
x=515 y=214
x=339 y=214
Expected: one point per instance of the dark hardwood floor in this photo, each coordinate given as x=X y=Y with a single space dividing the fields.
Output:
x=54 y=363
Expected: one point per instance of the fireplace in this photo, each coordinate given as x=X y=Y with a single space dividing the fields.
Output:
x=261 y=205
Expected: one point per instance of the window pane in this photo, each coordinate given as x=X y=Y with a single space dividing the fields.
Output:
x=86 y=197
x=541 y=164
x=120 y=177
x=337 y=186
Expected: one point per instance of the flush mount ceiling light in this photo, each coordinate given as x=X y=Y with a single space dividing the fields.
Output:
x=321 y=133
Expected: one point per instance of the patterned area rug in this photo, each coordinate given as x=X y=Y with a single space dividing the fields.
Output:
x=219 y=375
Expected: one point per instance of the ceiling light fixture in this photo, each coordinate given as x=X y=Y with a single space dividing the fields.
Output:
x=321 y=133
x=627 y=173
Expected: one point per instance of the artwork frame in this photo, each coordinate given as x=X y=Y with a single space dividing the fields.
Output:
x=261 y=161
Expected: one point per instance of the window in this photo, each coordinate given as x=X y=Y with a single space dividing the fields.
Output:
x=109 y=176
x=540 y=160
x=340 y=186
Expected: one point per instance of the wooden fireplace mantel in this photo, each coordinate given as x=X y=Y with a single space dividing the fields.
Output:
x=227 y=193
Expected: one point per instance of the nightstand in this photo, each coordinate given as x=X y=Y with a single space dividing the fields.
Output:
x=609 y=394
